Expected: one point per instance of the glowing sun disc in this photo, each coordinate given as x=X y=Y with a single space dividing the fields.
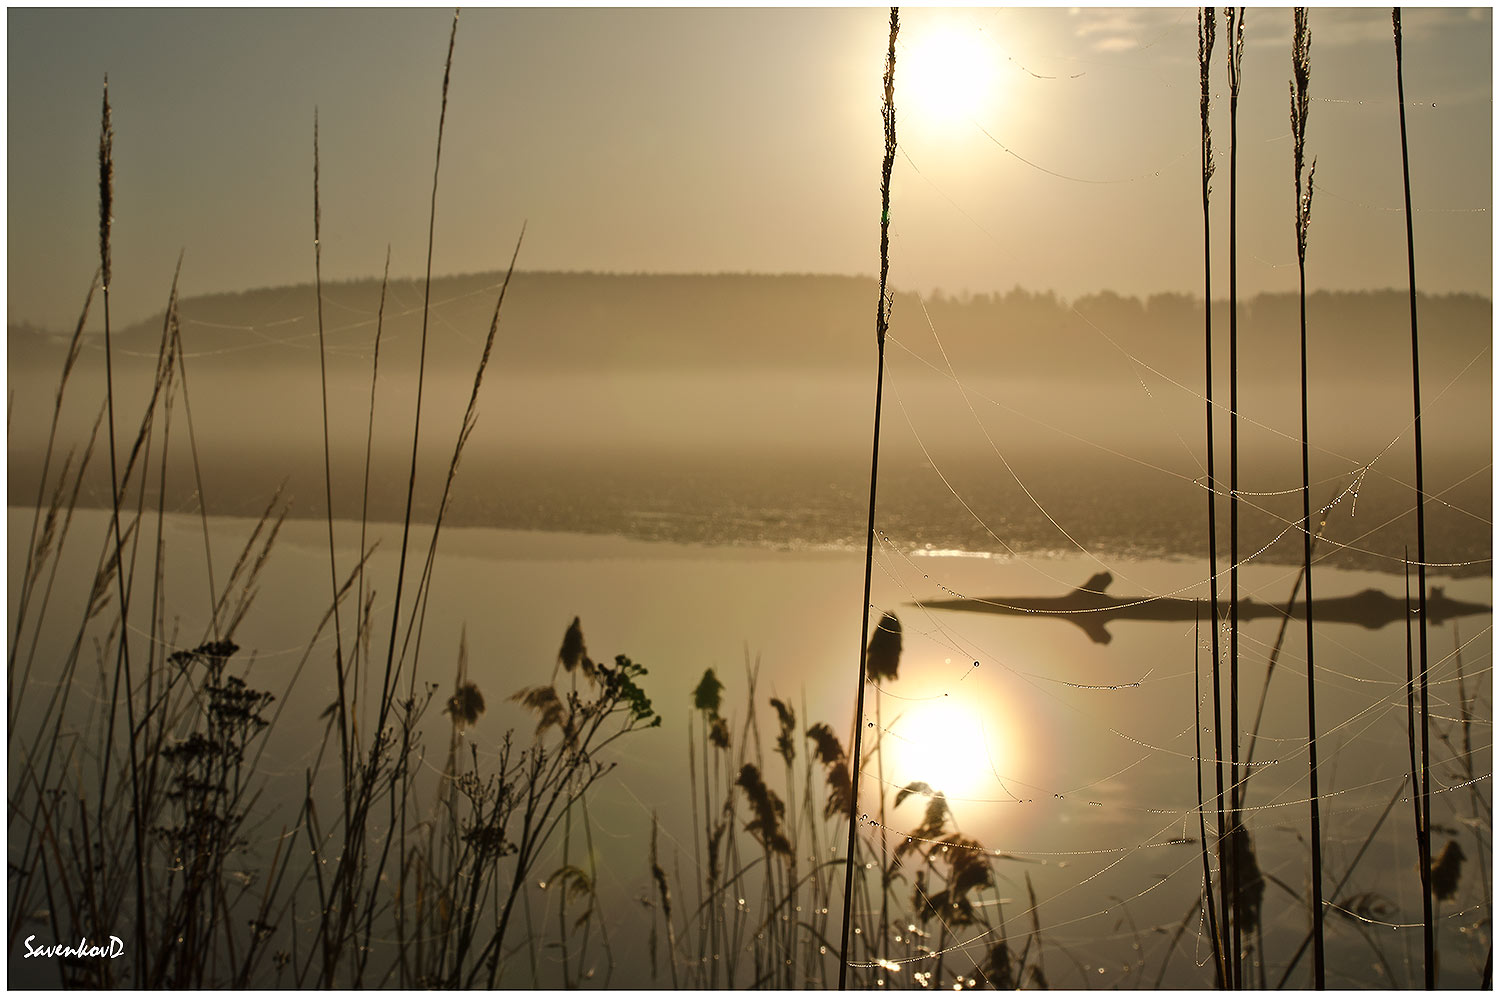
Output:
x=948 y=75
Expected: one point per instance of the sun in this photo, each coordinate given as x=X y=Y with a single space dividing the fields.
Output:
x=944 y=744
x=948 y=75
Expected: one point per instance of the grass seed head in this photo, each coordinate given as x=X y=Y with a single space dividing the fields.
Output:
x=786 y=745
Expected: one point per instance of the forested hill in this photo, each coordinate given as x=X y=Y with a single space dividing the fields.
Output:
x=557 y=322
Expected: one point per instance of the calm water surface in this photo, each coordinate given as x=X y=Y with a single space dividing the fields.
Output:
x=1072 y=758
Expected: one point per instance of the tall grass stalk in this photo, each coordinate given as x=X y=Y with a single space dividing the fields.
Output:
x=363 y=783
x=345 y=761
x=364 y=508
x=187 y=409
x=122 y=659
x=1235 y=29
x=882 y=324
x=1206 y=32
x=466 y=427
x=1425 y=842
x=416 y=430
x=1301 y=77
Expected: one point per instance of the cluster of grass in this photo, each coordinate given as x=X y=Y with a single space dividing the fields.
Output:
x=1236 y=916
x=763 y=910
x=136 y=790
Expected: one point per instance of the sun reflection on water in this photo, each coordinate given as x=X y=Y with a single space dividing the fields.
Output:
x=949 y=743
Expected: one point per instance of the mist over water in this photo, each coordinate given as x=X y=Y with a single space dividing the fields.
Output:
x=644 y=428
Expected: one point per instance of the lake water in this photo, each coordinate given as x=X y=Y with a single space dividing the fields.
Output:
x=1073 y=759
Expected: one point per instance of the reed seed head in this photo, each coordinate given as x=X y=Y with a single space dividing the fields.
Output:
x=718 y=733
x=1235 y=22
x=883 y=657
x=1445 y=871
x=707 y=696
x=1206 y=32
x=786 y=744
x=106 y=186
x=465 y=705
x=572 y=651
x=826 y=747
x=1301 y=102
x=769 y=810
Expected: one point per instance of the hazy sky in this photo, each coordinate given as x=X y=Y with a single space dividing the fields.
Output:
x=1045 y=148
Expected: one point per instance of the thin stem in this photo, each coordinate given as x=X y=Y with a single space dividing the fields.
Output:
x=333 y=574
x=416 y=432
x=882 y=323
x=1236 y=25
x=1208 y=896
x=1416 y=404
x=122 y=659
x=1206 y=32
x=1301 y=71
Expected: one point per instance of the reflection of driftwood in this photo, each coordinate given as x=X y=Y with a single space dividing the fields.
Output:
x=1090 y=608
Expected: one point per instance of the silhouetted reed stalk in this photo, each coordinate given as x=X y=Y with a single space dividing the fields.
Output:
x=1301 y=75
x=1208 y=893
x=1229 y=858
x=364 y=492
x=1348 y=872
x=362 y=779
x=122 y=658
x=466 y=427
x=187 y=409
x=1206 y=31
x=1419 y=813
x=882 y=324
x=345 y=760
x=387 y=687
x=1425 y=837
